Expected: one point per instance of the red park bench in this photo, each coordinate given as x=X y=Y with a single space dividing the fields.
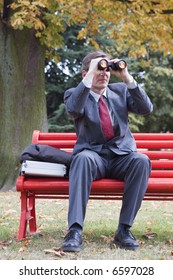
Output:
x=158 y=146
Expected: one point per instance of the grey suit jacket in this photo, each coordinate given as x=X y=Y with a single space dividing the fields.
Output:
x=84 y=109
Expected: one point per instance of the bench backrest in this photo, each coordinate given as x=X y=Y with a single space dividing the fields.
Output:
x=158 y=147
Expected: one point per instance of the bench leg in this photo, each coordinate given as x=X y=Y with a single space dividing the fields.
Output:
x=32 y=216
x=23 y=214
x=27 y=215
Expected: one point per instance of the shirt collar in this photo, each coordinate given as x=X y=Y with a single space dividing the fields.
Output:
x=97 y=96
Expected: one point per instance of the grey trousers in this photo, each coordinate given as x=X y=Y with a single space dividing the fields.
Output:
x=133 y=168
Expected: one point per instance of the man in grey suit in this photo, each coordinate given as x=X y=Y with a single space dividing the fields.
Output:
x=97 y=156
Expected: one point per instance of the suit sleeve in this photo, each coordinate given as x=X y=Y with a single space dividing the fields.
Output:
x=75 y=99
x=138 y=101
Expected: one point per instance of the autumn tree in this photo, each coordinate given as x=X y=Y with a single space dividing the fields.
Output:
x=32 y=30
x=158 y=82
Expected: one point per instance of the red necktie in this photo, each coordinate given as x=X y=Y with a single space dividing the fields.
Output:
x=105 y=119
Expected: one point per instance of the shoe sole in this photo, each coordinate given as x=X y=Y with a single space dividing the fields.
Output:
x=119 y=245
x=71 y=249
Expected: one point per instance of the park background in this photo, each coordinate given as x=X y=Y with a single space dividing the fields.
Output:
x=42 y=44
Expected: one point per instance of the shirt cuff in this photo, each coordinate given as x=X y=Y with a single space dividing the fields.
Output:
x=132 y=84
x=87 y=82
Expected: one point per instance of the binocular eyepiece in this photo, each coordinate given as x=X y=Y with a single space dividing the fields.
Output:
x=104 y=64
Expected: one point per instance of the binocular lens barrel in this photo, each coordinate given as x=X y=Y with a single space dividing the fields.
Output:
x=121 y=64
x=104 y=64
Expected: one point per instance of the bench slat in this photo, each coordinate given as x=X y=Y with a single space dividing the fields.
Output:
x=153 y=136
x=157 y=154
x=72 y=136
x=148 y=144
x=163 y=163
x=154 y=144
x=60 y=185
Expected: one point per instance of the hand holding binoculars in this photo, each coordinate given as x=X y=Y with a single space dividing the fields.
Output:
x=117 y=66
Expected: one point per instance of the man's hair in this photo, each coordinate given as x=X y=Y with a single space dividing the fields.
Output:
x=87 y=59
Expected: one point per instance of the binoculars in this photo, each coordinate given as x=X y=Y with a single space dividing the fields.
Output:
x=104 y=64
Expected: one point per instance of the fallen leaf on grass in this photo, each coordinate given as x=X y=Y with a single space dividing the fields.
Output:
x=4 y=243
x=149 y=235
x=106 y=239
x=25 y=244
x=22 y=249
x=141 y=242
x=10 y=211
x=169 y=241
x=55 y=251
x=113 y=246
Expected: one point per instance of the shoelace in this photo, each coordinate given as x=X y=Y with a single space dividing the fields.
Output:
x=72 y=234
x=128 y=232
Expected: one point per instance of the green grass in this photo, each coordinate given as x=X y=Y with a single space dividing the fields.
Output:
x=100 y=225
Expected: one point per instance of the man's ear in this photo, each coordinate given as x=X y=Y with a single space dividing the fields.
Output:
x=83 y=73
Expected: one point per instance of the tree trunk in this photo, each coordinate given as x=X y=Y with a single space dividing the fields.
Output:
x=22 y=98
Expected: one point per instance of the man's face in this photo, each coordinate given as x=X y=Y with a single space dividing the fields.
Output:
x=100 y=81
x=100 y=78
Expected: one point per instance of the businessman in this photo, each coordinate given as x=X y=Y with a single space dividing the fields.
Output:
x=105 y=147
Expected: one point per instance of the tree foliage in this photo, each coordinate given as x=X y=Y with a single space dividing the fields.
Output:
x=135 y=25
x=158 y=82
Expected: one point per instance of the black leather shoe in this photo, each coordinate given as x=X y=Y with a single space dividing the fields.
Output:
x=124 y=239
x=72 y=241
